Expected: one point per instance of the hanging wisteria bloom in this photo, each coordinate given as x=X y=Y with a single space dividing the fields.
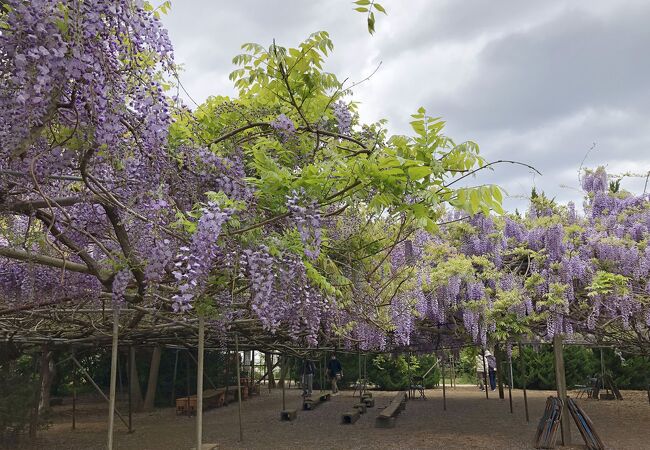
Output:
x=595 y=181
x=308 y=222
x=343 y=118
x=196 y=261
x=284 y=127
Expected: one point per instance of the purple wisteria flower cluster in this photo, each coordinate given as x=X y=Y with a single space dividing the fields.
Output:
x=308 y=222
x=552 y=265
x=284 y=126
x=63 y=63
x=343 y=118
x=197 y=260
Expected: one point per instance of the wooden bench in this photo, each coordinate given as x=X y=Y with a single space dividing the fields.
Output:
x=253 y=389
x=207 y=447
x=309 y=403
x=386 y=418
x=186 y=405
x=325 y=396
x=361 y=407
x=288 y=414
x=232 y=393
x=214 y=398
x=350 y=417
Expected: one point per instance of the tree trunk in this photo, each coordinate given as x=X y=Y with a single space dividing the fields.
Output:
x=47 y=370
x=284 y=367
x=152 y=384
x=136 y=393
x=268 y=358
x=560 y=383
x=33 y=416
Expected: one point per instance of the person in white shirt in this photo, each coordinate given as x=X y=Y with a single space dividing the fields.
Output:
x=481 y=363
x=484 y=364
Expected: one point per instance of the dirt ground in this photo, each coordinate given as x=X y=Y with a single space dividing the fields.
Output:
x=470 y=422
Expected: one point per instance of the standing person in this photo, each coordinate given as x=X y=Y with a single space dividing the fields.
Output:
x=481 y=365
x=307 y=372
x=335 y=372
x=492 y=369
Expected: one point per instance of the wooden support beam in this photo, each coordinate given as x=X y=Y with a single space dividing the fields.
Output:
x=174 y=378
x=524 y=379
x=453 y=372
x=131 y=358
x=241 y=430
x=283 y=373
x=560 y=382
x=485 y=373
x=510 y=383
x=199 y=385
x=227 y=374
x=111 y=401
x=74 y=397
x=252 y=369
x=444 y=388
x=498 y=354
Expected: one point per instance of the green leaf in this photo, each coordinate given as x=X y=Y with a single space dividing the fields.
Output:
x=361 y=9
x=474 y=201
x=418 y=127
x=496 y=193
x=419 y=172
x=498 y=209
x=393 y=171
x=420 y=210
x=380 y=8
x=371 y=23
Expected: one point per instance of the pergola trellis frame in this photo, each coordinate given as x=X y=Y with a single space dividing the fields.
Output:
x=87 y=325
x=57 y=324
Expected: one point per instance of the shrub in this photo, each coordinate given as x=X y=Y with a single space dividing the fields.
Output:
x=19 y=389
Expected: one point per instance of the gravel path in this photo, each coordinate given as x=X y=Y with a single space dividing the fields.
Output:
x=470 y=422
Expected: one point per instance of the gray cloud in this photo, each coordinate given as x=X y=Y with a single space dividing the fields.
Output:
x=575 y=62
x=531 y=81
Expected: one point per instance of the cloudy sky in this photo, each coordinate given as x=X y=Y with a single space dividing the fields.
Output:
x=538 y=82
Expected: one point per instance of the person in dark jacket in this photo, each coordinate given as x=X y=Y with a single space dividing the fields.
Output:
x=335 y=372
x=307 y=372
